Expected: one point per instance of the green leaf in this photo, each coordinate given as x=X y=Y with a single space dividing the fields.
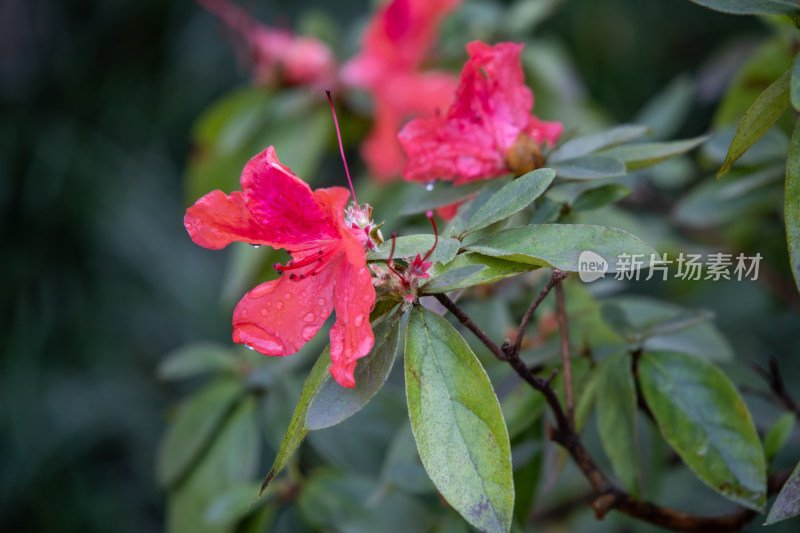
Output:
x=443 y=194
x=560 y=245
x=616 y=418
x=236 y=503
x=521 y=408
x=787 y=504
x=195 y=423
x=491 y=270
x=791 y=204
x=230 y=461
x=794 y=84
x=778 y=435
x=702 y=416
x=242 y=123
x=752 y=7
x=196 y=359
x=667 y=111
x=297 y=430
x=590 y=167
x=584 y=145
x=457 y=423
x=452 y=279
x=348 y=503
x=714 y=202
x=600 y=196
x=411 y=245
x=331 y=403
x=510 y=199
x=402 y=468
x=767 y=109
x=640 y=155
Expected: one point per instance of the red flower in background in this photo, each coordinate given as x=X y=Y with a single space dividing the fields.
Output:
x=488 y=130
x=277 y=54
x=397 y=40
x=329 y=267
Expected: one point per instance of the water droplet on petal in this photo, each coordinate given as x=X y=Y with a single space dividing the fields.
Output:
x=279 y=305
x=256 y=245
x=430 y=185
x=287 y=296
x=321 y=301
x=244 y=312
x=263 y=312
x=358 y=320
x=309 y=317
x=308 y=332
x=248 y=346
x=304 y=294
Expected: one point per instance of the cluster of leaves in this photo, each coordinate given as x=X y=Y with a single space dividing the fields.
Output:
x=483 y=450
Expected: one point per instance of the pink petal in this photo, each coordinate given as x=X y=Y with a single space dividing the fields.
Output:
x=216 y=220
x=284 y=203
x=491 y=108
x=544 y=132
x=351 y=335
x=280 y=316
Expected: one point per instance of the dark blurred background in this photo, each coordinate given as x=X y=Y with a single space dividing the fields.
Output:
x=98 y=279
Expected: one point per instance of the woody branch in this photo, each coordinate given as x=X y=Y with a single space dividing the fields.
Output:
x=607 y=496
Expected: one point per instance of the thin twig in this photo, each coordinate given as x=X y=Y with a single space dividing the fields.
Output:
x=554 y=280
x=607 y=496
x=566 y=362
x=774 y=379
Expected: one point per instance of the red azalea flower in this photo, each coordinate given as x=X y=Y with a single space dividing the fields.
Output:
x=277 y=54
x=397 y=40
x=329 y=267
x=488 y=130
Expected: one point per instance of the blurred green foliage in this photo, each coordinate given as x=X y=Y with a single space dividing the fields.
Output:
x=100 y=103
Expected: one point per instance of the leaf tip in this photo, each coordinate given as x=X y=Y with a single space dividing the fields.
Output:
x=267 y=480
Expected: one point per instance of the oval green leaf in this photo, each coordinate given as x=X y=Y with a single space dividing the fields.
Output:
x=586 y=144
x=411 y=245
x=442 y=194
x=787 y=504
x=331 y=403
x=778 y=435
x=560 y=245
x=600 y=196
x=457 y=423
x=791 y=203
x=767 y=109
x=616 y=418
x=197 y=420
x=297 y=430
x=590 y=167
x=510 y=199
x=702 y=416
x=640 y=155
x=196 y=359
x=752 y=7
x=452 y=276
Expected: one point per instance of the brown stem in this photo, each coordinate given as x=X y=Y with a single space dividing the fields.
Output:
x=774 y=378
x=607 y=496
x=555 y=279
x=566 y=362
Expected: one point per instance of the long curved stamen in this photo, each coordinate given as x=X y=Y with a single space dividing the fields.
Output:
x=429 y=214
x=390 y=263
x=341 y=148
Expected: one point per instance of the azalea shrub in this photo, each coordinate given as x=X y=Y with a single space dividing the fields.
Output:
x=483 y=327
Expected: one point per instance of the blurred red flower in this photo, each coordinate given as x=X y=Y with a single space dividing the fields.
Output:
x=277 y=54
x=329 y=267
x=396 y=42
